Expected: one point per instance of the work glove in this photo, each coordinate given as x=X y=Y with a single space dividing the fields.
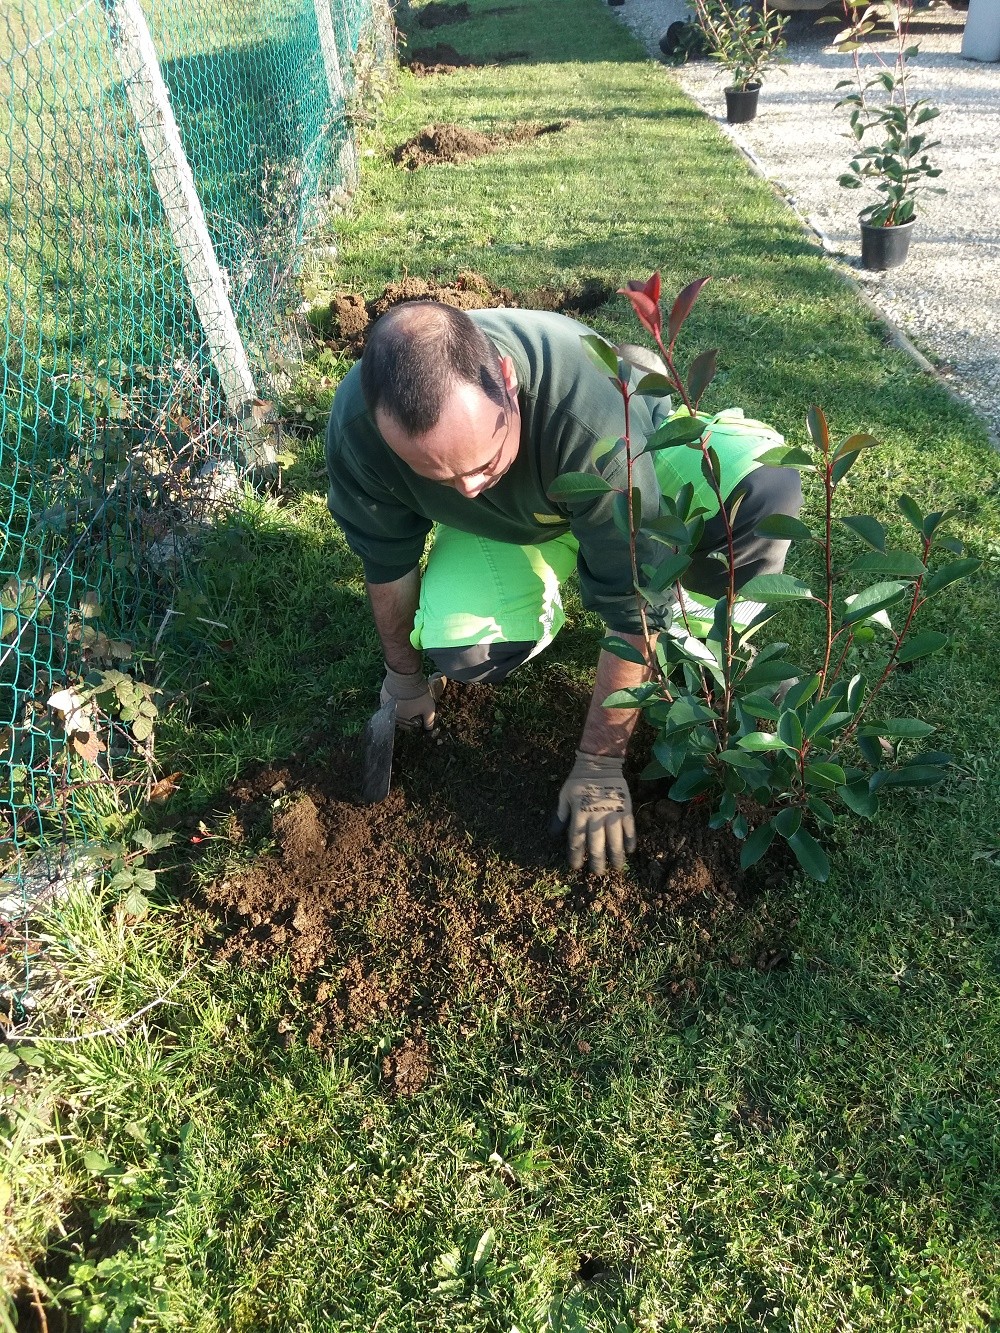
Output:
x=595 y=808
x=416 y=697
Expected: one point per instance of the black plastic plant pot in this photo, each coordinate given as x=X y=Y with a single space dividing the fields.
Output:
x=741 y=103
x=885 y=247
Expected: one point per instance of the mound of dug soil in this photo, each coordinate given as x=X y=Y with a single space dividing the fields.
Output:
x=351 y=315
x=444 y=59
x=451 y=891
x=435 y=145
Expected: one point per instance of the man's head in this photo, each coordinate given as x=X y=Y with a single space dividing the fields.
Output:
x=442 y=397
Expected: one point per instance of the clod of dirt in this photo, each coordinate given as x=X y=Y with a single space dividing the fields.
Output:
x=351 y=316
x=440 y=59
x=300 y=833
x=437 y=15
x=444 y=59
x=436 y=145
x=407 y=1069
x=451 y=892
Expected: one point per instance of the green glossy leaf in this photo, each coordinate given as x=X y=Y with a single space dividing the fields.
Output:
x=825 y=775
x=911 y=512
x=790 y=729
x=810 y=855
x=876 y=598
x=690 y=784
x=756 y=845
x=653 y=385
x=857 y=797
x=761 y=740
x=902 y=564
x=933 y=521
x=922 y=645
x=950 y=573
x=782 y=455
x=687 y=711
x=788 y=821
x=871 y=750
x=854 y=444
x=578 y=486
x=801 y=691
x=776 y=588
x=619 y=513
x=784 y=527
x=759 y=705
x=739 y=759
x=820 y=714
x=912 y=775
x=711 y=468
x=868 y=529
x=821 y=810
x=769 y=673
x=673 y=432
x=620 y=647
x=898 y=728
x=639 y=696
x=669 y=571
x=601 y=353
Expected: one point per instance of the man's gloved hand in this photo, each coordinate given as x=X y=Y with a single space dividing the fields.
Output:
x=416 y=697
x=596 y=810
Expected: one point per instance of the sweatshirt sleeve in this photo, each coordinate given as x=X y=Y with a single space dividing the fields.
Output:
x=604 y=563
x=385 y=534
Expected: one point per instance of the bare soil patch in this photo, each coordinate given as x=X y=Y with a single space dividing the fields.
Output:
x=444 y=59
x=439 y=15
x=436 y=145
x=351 y=315
x=451 y=892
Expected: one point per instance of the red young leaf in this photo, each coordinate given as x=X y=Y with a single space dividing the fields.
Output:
x=647 y=311
x=682 y=307
x=652 y=287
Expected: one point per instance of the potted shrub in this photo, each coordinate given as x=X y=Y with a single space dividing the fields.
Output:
x=886 y=120
x=746 y=39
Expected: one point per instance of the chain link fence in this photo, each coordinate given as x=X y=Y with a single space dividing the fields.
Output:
x=163 y=161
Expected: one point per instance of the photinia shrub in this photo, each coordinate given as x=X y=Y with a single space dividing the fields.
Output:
x=780 y=747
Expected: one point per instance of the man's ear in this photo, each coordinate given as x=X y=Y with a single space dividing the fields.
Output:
x=509 y=374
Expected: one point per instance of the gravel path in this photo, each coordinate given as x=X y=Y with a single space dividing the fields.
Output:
x=946 y=297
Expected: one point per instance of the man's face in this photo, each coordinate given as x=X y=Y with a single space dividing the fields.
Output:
x=473 y=443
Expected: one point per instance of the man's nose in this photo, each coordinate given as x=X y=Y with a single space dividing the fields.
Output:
x=469 y=486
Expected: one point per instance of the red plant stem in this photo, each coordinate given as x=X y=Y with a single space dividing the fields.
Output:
x=828 y=489
x=651 y=658
x=915 y=604
x=727 y=657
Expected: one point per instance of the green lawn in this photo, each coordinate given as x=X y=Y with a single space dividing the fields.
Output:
x=813 y=1147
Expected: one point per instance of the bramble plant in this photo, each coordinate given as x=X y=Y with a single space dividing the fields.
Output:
x=882 y=105
x=745 y=38
x=773 y=743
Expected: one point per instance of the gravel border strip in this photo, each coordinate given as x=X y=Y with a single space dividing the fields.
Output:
x=946 y=298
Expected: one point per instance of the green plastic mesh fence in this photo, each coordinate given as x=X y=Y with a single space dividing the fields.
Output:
x=162 y=160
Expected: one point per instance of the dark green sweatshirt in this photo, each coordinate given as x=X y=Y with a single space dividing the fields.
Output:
x=386 y=511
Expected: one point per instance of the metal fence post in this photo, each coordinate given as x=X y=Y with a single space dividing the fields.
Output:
x=348 y=163
x=149 y=101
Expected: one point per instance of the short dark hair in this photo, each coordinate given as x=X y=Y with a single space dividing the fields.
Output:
x=414 y=355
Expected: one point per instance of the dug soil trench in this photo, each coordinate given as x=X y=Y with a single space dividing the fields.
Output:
x=351 y=316
x=436 y=145
x=452 y=893
x=444 y=59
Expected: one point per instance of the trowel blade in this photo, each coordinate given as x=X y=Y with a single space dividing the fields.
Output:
x=378 y=739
